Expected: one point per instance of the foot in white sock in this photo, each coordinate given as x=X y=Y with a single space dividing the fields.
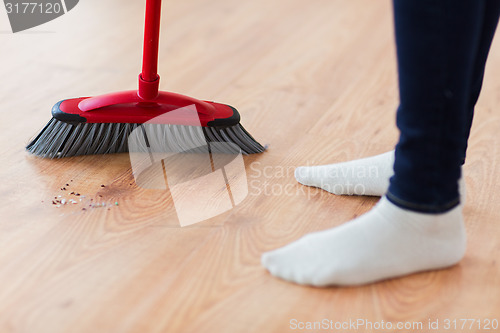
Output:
x=386 y=242
x=366 y=176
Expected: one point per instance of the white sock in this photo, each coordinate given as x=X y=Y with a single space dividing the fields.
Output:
x=366 y=176
x=386 y=242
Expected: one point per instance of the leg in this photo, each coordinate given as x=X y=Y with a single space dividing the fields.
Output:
x=419 y=225
x=437 y=43
x=490 y=22
x=370 y=176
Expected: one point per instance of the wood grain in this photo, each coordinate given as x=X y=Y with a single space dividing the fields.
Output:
x=316 y=80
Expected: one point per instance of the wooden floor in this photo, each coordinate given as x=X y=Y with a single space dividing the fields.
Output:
x=316 y=80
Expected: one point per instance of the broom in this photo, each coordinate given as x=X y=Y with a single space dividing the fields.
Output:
x=102 y=124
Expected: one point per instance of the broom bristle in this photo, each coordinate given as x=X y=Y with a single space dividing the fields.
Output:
x=59 y=139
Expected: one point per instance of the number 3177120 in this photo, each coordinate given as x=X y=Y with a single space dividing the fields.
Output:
x=33 y=8
x=470 y=324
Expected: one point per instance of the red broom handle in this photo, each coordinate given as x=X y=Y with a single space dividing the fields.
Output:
x=148 y=80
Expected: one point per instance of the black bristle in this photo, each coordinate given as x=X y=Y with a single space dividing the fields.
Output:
x=59 y=139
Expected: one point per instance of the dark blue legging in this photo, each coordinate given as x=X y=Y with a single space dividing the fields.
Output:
x=442 y=47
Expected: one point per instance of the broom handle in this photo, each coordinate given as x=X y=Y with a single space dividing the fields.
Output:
x=150 y=53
